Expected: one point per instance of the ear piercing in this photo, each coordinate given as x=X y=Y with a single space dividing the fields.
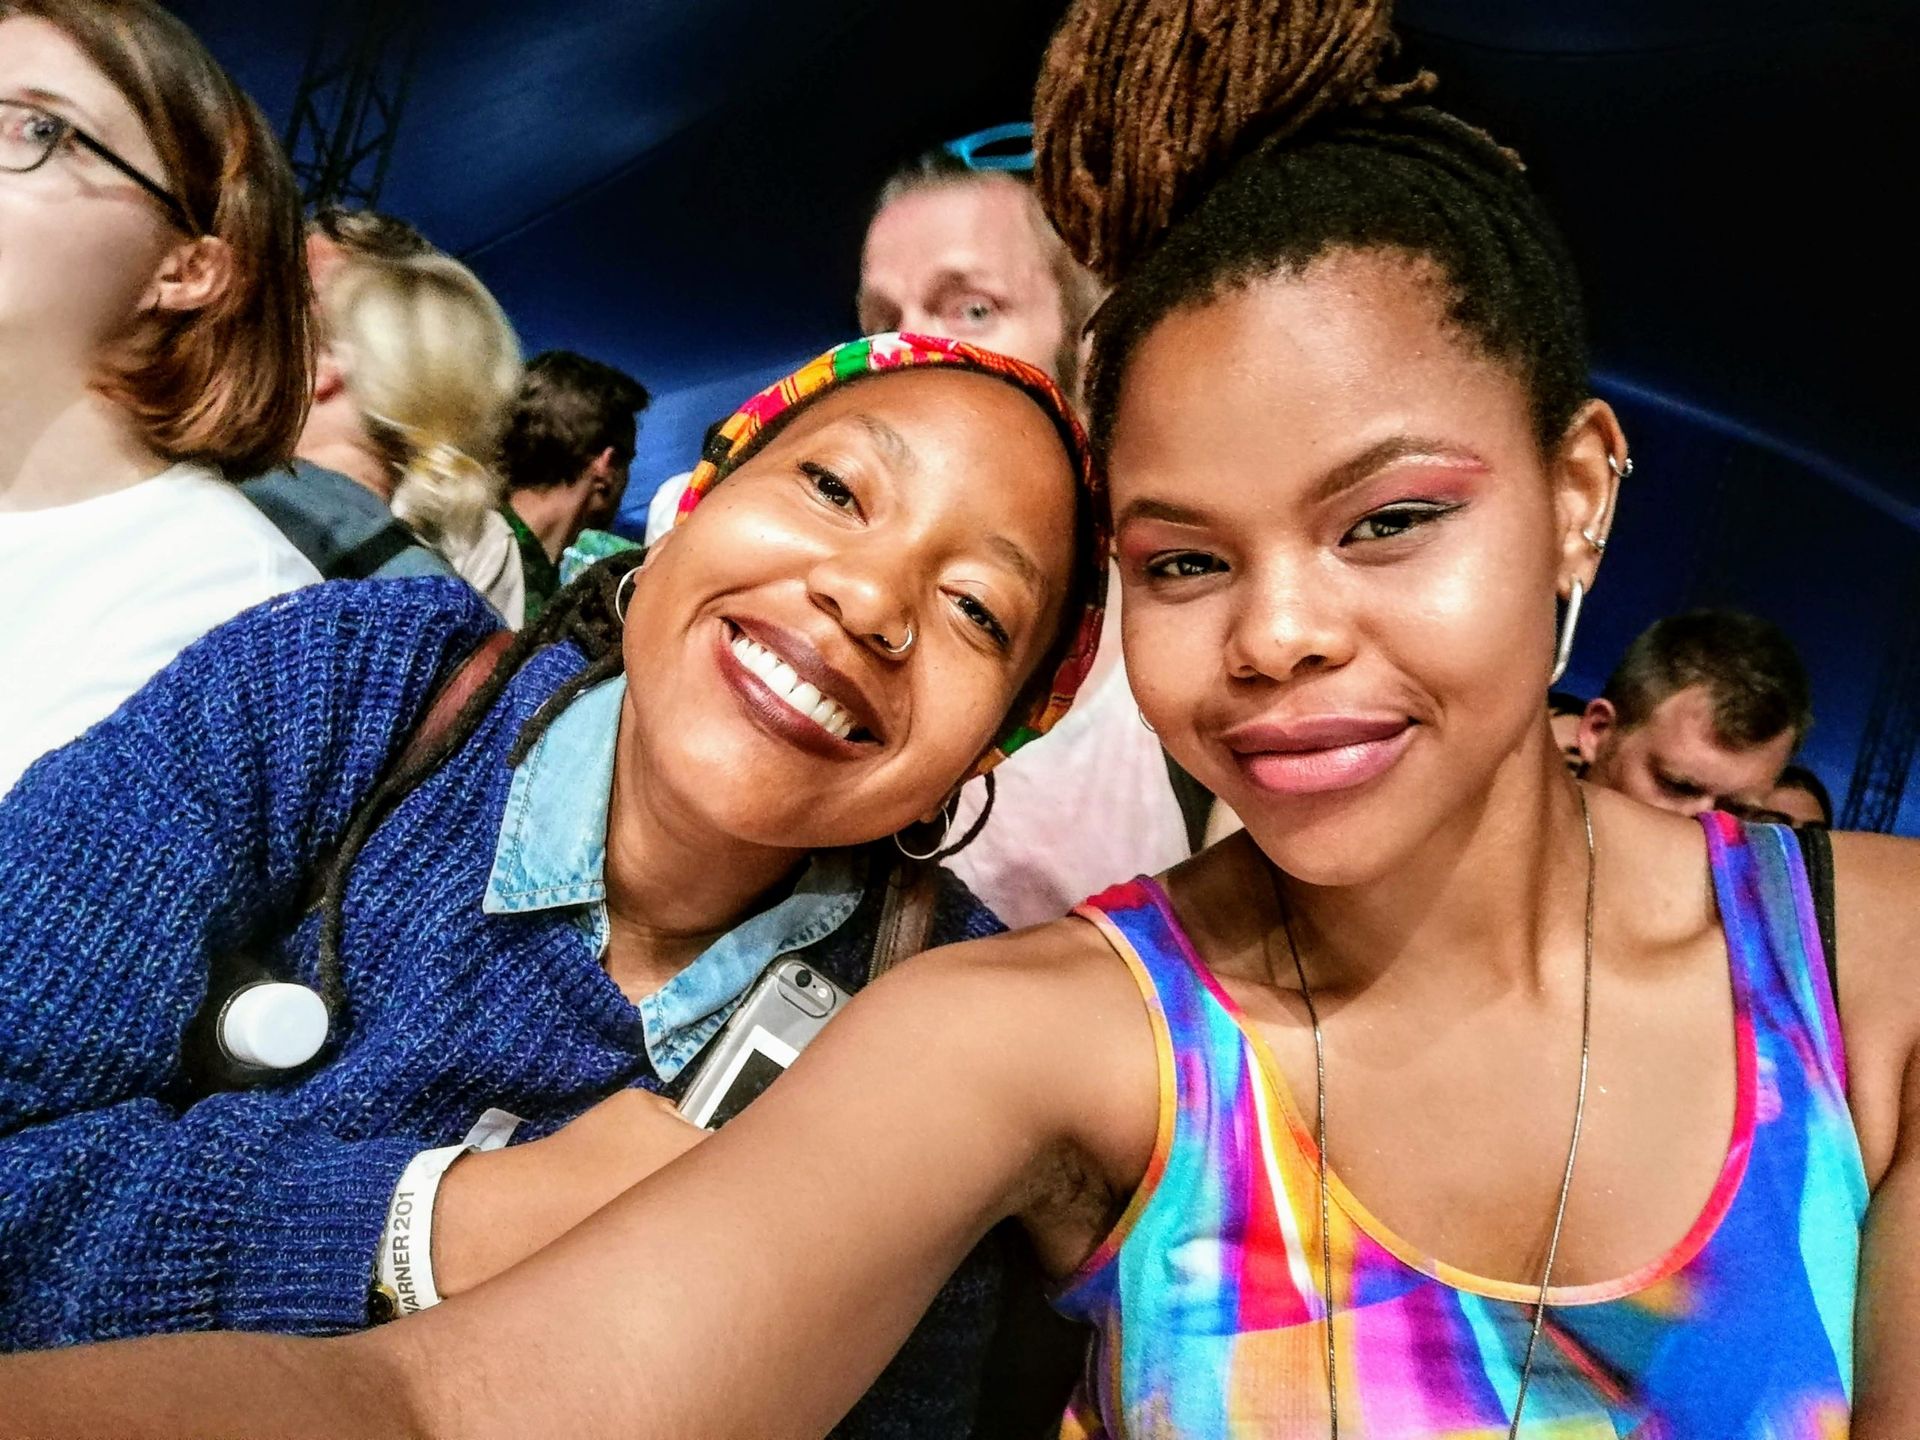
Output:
x=1622 y=469
x=1563 y=651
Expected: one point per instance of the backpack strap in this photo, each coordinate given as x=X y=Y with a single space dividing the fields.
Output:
x=373 y=552
x=1816 y=850
x=205 y=1067
x=906 y=916
x=410 y=767
x=449 y=701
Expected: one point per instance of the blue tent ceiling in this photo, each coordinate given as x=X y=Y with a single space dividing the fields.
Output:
x=681 y=185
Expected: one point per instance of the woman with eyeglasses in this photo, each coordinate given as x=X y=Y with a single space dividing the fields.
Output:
x=153 y=345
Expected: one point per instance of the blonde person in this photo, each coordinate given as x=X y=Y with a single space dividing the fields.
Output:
x=334 y=508
x=417 y=374
x=154 y=344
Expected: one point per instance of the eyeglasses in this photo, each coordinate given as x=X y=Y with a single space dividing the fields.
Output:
x=999 y=147
x=28 y=135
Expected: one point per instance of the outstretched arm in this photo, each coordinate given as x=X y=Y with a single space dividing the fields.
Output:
x=1877 y=892
x=754 y=1287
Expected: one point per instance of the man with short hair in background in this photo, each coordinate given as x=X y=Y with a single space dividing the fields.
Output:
x=958 y=247
x=1703 y=713
x=566 y=453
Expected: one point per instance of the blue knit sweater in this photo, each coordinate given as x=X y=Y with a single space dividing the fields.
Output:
x=186 y=826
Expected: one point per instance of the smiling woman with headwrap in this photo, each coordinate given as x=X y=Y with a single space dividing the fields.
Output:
x=886 y=576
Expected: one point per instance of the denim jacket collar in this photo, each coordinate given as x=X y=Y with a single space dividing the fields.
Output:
x=552 y=854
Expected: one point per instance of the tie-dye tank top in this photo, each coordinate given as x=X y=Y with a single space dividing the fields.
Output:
x=1207 y=1294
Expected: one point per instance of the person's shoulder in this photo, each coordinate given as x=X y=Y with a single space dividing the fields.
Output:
x=1053 y=1024
x=431 y=602
x=1043 y=977
x=349 y=618
x=1876 y=892
x=1876 y=912
x=664 y=505
x=215 y=511
x=416 y=562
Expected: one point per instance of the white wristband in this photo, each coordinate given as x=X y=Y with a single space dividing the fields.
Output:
x=405 y=1266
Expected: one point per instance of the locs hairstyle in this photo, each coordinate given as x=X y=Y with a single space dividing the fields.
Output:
x=1273 y=139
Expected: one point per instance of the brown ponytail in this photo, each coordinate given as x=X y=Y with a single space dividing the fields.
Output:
x=1142 y=104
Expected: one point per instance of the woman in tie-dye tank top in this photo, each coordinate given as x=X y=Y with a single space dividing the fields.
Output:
x=1294 y=1124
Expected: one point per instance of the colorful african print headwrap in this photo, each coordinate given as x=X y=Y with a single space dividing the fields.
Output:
x=753 y=424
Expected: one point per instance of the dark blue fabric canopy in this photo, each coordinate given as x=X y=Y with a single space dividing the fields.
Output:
x=681 y=187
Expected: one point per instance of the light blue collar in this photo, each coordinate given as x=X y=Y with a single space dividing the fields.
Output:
x=552 y=854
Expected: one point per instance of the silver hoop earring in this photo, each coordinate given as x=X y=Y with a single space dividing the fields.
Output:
x=1144 y=721
x=623 y=593
x=946 y=812
x=1598 y=545
x=1622 y=469
x=895 y=650
x=1563 y=652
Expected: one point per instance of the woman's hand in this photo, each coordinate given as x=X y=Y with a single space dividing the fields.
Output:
x=496 y=1208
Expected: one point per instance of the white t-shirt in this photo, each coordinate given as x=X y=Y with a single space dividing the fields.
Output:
x=97 y=596
x=664 y=508
x=490 y=563
x=1083 y=807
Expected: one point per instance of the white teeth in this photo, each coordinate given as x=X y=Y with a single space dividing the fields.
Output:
x=828 y=716
x=784 y=681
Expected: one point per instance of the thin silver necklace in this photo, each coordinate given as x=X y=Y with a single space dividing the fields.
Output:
x=1320 y=1126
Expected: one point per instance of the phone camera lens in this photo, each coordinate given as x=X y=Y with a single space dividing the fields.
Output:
x=803 y=978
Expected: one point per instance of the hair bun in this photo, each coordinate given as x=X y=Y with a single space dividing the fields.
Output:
x=1143 y=103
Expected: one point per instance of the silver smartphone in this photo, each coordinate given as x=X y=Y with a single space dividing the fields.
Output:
x=785 y=1009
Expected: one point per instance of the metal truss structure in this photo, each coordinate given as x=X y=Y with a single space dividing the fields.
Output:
x=346 y=112
x=1892 y=733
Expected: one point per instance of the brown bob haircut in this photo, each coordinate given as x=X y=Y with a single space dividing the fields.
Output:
x=227 y=385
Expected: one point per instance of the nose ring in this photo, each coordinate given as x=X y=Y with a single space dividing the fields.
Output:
x=896 y=650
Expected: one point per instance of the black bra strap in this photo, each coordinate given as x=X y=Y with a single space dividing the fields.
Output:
x=1816 y=849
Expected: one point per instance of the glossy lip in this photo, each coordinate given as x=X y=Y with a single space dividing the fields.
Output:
x=775 y=714
x=1318 y=754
